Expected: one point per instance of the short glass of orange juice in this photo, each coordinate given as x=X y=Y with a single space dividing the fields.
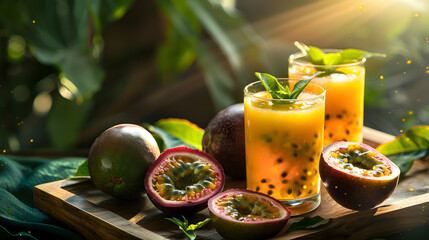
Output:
x=283 y=140
x=344 y=86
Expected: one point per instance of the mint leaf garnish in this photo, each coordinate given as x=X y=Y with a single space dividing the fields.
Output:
x=318 y=57
x=351 y=55
x=273 y=86
x=277 y=91
x=308 y=223
x=332 y=59
x=186 y=228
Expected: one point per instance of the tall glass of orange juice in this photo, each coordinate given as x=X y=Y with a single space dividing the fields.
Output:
x=284 y=140
x=344 y=86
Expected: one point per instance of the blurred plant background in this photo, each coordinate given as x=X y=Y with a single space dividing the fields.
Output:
x=71 y=69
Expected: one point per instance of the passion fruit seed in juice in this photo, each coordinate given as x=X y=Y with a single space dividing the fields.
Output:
x=293 y=154
x=283 y=145
x=344 y=98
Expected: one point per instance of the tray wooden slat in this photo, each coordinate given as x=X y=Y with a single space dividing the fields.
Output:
x=98 y=216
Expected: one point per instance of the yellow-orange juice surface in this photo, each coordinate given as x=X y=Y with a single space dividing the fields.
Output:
x=283 y=145
x=344 y=101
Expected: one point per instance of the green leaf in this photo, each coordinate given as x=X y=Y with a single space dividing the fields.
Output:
x=173 y=56
x=301 y=46
x=188 y=230
x=272 y=86
x=332 y=59
x=316 y=55
x=353 y=55
x=300 y=86
x=66 y=120
x=167 y=139
x=176 y=221
x=199 y=224
x=277 y=91
x=239 y=42
x=62 y=35
x=404 y=149
x=184 y=130
x=82 y=172
x=308 y=223
x=220 y=83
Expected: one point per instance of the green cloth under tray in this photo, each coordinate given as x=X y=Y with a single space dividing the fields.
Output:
x=19 y=219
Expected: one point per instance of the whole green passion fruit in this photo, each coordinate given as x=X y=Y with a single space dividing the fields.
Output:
x=182 y=179
x=356 y=175
x=224 y=140
x=243 y=214
x=119 y=159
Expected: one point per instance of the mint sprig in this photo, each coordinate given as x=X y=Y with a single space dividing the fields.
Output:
x=277 y=91
x=186 y=228
x=318 y=57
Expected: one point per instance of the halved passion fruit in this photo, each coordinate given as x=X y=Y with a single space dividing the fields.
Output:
x=356 y=175
x=182 y=179
x=244 y=214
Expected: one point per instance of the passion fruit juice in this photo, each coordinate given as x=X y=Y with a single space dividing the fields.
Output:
x=283 y=144
x=344 y=97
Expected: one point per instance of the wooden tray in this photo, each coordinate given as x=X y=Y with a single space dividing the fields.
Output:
x=98 y=216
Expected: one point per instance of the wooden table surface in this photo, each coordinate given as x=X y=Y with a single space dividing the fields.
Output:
x=98 y=216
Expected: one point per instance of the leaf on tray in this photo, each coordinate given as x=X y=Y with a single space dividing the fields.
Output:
x=166 y=138
x=308 y=223
x=186 y=228
x=82 y=172
x=183 y=129
x=405 y=148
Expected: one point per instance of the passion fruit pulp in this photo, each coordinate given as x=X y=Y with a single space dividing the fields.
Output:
x=356 y=175
x=182 y=179
x=119 y=159
x=243 y=214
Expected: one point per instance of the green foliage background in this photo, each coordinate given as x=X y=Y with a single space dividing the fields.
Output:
x=56 y=47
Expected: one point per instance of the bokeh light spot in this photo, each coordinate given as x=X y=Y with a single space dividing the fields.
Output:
x=42 y=103
x=16 y=48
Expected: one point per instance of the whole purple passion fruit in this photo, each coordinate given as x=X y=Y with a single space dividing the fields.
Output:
x=224 y=140
x=182 y=179
x=243 y=214
x=356 y=175
x=119 y=159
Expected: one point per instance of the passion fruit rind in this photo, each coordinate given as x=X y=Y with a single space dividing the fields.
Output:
x=356 y=175
x=119 y=159
x=244 y=214
x=224 y=140
x=182 y=179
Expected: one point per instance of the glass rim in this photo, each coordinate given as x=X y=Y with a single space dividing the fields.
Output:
x=247 y=93
x=296 y=56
